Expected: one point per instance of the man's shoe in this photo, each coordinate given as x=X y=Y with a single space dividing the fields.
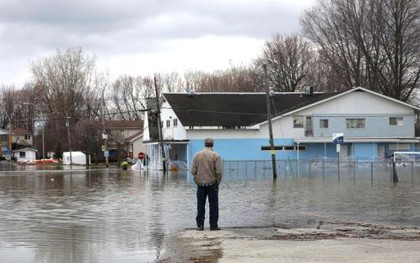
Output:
x=215 y=228
x=200 y=228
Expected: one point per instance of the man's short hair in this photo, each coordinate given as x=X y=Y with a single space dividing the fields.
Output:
x=208 y=142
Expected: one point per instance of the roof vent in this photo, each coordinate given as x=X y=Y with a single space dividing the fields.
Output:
x=309 y=90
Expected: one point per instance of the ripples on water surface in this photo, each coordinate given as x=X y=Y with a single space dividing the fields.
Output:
x=126 y=216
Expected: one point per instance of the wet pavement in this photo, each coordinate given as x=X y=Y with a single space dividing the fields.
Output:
x=110 y=215
x=331 y=243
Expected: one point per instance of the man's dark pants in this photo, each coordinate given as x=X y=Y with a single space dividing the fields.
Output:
x=212 y=192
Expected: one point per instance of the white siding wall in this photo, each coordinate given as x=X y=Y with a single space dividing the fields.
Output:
x=171 y=132
x=198 y=134
x=282 y=128
x=146 y=133
x=29 y=156
x=359 y=103
x=355 y=103
x=138 y=146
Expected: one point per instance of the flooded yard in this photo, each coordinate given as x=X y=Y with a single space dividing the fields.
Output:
x=110 y=215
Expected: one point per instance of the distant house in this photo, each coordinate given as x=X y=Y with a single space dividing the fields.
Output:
x=4 y=142
x=21 y=138
x=118 y=138
x=134 y=146
x=374 y=125
x=24 y=155
x=21 y=142
x=17 y=138
x=121 y=138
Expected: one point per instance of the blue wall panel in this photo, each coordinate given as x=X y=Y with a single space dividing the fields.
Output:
x=318 y=151
x=365 y=150
x=244 y=149
x=250 y=149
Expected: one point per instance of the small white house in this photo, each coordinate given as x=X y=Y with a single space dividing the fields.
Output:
x=25 y=155
x=76 y=157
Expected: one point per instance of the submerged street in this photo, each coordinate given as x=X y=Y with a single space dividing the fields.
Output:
x=111 y=215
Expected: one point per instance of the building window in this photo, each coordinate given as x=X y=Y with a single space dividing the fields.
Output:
x=22 y=155
x=323 y=123
x=168 y=123
x=284 y=148
x=27 y=137
x=227 y=127
x=175 y=122
x=355 y=123
x=399 y=147
x=298 y=121
x=398 y=121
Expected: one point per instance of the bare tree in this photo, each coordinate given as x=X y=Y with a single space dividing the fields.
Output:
x=27 y=110
x=65 y=82
x=325 y=25
x=128 y=97
x=243 y=79
x=323 y=76
x=96 y=105
x=235 y=79
x=398 y=33
x=8 y=102
x=192 y=81
x=14 y=109
x=171 y=82
x=88 y=138
x=288 y=60
x=68 y=89
x=371 y=43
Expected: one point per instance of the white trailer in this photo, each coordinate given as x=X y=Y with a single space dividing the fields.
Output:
x=77 y=158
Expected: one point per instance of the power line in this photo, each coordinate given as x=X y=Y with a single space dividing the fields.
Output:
x=221 y=112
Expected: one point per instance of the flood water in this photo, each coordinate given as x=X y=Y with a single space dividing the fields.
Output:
x=110 y=215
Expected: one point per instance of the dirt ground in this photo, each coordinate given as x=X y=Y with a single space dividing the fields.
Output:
x=325 y=242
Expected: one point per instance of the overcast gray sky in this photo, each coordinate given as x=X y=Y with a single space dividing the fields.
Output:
x=141 y=37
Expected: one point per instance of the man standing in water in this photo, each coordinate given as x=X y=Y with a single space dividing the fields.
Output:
x=207 y=172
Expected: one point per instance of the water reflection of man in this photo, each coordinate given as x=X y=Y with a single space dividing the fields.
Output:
x=207 y=172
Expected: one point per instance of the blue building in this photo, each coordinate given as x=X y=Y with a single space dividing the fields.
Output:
x=373 y=125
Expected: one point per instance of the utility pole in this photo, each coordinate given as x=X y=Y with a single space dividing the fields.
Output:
x=43 y=142
x=68 y=137
x=162 y=147
x=104 y=135
x=270 y=126
x=10 y=143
